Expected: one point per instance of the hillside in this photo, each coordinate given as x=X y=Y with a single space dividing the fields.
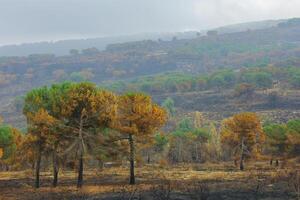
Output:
x=63 y=47
x=195 y=60
x=249 y=26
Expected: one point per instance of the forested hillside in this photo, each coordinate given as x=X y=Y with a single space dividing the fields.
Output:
x=215 y=70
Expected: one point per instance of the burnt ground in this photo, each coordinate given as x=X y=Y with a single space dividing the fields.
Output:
x=205 y=181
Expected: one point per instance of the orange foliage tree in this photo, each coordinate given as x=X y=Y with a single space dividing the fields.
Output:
x=42 y=132
x=137 y=118
x=244 y=135
x=65 y=118
x=86 y=110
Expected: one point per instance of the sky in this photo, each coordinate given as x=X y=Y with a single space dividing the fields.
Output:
x=50 y=20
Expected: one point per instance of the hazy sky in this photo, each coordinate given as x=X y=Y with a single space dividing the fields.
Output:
x=37 y=20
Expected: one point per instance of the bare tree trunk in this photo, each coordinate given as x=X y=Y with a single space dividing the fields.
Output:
x=55 y=169
x=242 y=156
x=179 y=152
x=131 y=160
x=81 y=150
x=148 y=158
x=80 y=172
x=37 y=167
x=32 y=165
x=197 y=154
x=277 y=162
x=242 y=162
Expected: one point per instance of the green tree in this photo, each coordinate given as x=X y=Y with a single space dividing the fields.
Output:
x=10 y=139
x=276 y=140
x=169 y=105
x=295 y=80
x=161 y=140
x=293 y=134
x=6 y=140
x=35 y=109
x=260 y=79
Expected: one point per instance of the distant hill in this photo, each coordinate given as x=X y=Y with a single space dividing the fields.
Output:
x=250 y=26
x=63 y=47
x=144 y=64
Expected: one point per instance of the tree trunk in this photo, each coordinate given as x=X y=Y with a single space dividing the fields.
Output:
x=55 y=169
x=242 y=156
x=81 y=151
x=179 y=152
x=148 y=158
x=196 y=152
x=242 y=162
x=33 y=165
x=80 y=172
x=37 y=168
x=131 y=160
x=235 y=162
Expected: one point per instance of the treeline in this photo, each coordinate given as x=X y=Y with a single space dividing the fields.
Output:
x=69 y=121
x=240 y=137
x=72 y=124
x=255 y=78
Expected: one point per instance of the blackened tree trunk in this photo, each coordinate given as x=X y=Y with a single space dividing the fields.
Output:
x=55 y=169
x=80 y=172
x=37 y=167
x=131 y=160
x=242 y=162
x=277 y=162
x=271 y=161
x=81 y=151
x=196 y=153
x=148 y=158
x=242 y=155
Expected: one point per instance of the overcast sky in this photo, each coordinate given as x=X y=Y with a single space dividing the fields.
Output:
x=38 y=20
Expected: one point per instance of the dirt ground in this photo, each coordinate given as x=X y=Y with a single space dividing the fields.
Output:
x=199 y=182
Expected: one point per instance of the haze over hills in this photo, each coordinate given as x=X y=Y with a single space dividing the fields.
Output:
x=63 y=47
x=205 y=68
x=249 y=26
